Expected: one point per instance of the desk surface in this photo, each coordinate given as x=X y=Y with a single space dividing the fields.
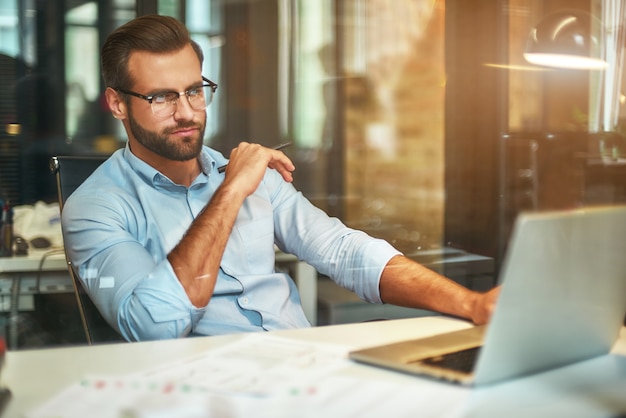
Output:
x=46 y=260
x=36 y=375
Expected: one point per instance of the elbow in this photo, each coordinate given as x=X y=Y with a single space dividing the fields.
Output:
x=154 y=331
x=137 y=323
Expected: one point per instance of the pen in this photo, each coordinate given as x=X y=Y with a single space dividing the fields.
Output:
x=277 y=147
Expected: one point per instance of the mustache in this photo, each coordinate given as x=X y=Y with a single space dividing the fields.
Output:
x=182 y=125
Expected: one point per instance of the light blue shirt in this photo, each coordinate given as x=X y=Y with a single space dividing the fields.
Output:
x=121 y=223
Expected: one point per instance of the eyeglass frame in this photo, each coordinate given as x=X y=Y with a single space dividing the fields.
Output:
x=150 y=98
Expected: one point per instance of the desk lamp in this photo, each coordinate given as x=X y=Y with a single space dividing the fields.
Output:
x=566 y=39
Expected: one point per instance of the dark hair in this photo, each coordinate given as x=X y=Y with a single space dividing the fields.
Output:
x=151 y=33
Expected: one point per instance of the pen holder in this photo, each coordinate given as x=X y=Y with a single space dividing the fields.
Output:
x=6 y=231
x=6 y=240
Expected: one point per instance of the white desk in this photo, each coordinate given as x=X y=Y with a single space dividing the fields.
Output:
x=49 y=266
x=36 y=375
x=55 y=261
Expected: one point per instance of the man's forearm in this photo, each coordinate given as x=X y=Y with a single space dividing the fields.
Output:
x=407 y=283
x=197 y=257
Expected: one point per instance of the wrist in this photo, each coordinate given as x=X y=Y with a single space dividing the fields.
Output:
x=473 y=307
x=229 y=192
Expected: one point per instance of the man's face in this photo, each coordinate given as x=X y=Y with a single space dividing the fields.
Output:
x=175 y=137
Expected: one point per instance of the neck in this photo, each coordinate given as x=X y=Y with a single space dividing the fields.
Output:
x=180 y=172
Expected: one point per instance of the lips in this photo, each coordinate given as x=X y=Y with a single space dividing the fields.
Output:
x=183 y=130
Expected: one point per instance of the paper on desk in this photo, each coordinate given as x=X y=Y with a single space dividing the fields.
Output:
x=257 y=364
x=236 y=376
x=123 y=397
x=257 y=376
x=330 y=396
x=133 y=398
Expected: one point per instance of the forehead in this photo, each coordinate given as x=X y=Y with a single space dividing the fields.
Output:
x=165 y=71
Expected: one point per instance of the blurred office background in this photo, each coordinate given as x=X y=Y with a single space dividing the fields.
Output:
x=418 y=121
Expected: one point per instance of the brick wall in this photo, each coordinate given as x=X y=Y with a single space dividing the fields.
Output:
x=394 y=136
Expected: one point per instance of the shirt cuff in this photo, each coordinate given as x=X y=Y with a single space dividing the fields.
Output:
x=164 y=297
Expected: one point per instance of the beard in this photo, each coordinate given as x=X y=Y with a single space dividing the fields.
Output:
x=160 y=143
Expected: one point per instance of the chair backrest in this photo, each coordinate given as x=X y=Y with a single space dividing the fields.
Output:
x=70 y=172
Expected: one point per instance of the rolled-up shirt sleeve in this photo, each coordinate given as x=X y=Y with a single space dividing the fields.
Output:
x=351 y=258
x=138 y=295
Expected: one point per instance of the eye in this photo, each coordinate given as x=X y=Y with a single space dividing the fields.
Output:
x=164 y=98
x=195 y=92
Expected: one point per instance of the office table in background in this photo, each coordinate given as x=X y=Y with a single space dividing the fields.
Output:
x=23 y=276
x=591 y=388
x=49 y=266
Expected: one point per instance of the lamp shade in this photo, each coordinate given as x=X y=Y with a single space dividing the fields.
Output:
x=565 y=39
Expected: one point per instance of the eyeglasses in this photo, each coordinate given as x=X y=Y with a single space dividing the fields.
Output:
x=164 y=103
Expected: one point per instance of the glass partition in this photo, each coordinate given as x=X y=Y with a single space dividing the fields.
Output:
x=418 y=121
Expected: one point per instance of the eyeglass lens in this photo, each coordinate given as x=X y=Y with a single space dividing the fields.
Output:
x=198 y=99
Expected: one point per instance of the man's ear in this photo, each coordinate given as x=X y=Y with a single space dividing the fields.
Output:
x=115 y=103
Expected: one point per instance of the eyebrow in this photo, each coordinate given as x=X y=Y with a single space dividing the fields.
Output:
x=163 y=91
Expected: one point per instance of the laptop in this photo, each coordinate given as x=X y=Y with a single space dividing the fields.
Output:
x=563 y=300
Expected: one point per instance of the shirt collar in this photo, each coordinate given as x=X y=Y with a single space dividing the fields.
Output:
x=206 y=161
x=155 y=177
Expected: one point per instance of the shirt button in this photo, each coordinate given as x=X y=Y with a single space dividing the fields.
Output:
x=244 y=300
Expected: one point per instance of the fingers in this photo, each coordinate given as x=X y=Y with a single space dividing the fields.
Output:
x=284 y=170
x=247 y=165
x=281 y=163
x=250 y=156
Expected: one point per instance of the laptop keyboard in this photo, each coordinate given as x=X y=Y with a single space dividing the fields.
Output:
x=462 y=361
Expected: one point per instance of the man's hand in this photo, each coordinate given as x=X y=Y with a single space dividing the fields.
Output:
x=248 y=162
x=484 y=306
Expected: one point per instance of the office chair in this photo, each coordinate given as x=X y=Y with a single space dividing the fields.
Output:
x=70 y=172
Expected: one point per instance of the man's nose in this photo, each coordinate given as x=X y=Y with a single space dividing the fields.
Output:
x=183 y=111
